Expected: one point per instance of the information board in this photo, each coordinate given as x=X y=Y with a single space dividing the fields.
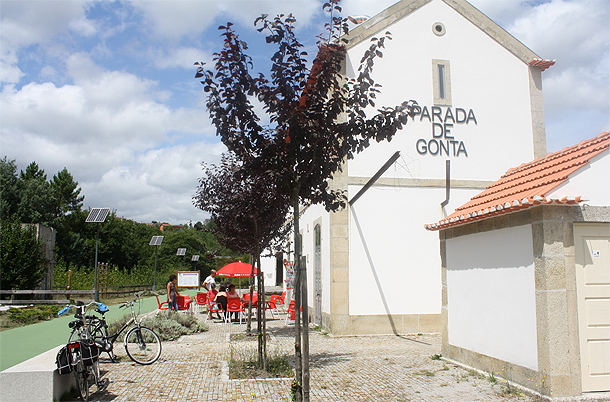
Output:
x=188 y=279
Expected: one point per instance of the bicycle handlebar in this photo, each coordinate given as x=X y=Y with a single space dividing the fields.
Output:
x=131 y=302
x=67 y=307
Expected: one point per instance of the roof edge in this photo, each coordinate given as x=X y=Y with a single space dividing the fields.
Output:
x=394 y=13
x=495 y=31
x=382 y=20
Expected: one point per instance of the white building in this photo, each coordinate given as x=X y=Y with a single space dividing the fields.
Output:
x=526 y=274
x=372 y=267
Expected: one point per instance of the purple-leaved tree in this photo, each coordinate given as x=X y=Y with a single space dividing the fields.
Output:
x=318 y=119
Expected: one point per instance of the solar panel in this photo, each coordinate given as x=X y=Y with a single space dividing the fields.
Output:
x=156 y=241
x=195 y=257
x=97 y=215
x=181 y=251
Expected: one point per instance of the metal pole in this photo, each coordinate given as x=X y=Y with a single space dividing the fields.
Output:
x=97 y=239
x=155 y=284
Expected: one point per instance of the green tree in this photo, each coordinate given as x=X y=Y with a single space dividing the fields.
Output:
x=67 y=194
x=36 y=197
x=9 y=191
x=21 y=256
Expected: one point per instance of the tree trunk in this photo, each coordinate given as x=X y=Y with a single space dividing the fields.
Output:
x=262 y=317
x=298 y=363
x=303 y=268
x=251 y=286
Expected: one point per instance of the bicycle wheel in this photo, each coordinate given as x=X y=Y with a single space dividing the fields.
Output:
x=81 y=374
x=142 y=345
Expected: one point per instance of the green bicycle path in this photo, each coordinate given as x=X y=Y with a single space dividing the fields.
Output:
x=20 y=344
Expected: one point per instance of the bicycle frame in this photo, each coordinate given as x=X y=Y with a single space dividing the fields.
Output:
x=112 y=338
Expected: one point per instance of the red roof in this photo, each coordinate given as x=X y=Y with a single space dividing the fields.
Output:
x=542 y=63
x=528 y=185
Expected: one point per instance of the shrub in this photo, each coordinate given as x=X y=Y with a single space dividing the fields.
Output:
x=168 y=325
x=24 y=316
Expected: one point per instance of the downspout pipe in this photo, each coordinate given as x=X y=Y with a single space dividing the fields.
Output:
x=447 y=185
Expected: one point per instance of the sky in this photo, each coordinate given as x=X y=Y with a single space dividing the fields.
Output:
x=107 y=88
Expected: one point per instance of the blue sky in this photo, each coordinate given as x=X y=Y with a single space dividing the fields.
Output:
x=107 y=88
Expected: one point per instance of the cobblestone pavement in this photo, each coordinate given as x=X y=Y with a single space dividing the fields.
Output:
x=362 y=368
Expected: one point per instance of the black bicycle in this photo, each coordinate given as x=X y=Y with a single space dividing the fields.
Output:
x=142 y=344
x=83 y=352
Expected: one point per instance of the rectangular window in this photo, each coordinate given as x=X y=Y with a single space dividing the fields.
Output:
x=441 y=82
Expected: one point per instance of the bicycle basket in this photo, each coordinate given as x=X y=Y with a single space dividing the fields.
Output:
x=89 y=351
x=64 y=361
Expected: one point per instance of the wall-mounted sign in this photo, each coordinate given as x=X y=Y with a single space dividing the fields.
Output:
x=443 y=120
x=596 y=254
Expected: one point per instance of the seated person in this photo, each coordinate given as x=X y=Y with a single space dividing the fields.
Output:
x=231 y=292
x=212 y=298
x=221 y=297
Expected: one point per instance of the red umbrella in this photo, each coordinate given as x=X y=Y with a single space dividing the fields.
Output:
x=236 y=269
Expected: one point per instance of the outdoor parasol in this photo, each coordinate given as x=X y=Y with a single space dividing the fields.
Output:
x=236 y=269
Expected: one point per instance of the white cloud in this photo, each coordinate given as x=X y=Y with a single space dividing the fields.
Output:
x=182 y=57
x=182 y=18
x=156 y=185
x=28 y=23
x=9 y=74
x=114 y=133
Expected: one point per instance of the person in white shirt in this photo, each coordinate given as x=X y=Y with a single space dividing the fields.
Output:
x=209 y=280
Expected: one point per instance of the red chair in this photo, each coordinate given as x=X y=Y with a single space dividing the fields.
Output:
x=201 y=300
x=271 y=305
x=214 y=307
x=160 y=304
x=234 y=305
x=184 y=302
x=291 y=310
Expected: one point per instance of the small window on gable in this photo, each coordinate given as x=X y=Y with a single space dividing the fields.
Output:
x=441 y=81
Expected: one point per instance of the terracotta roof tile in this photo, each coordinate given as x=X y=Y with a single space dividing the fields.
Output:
x=528 y=184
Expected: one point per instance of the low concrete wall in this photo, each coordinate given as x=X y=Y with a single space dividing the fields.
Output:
x=35 y=380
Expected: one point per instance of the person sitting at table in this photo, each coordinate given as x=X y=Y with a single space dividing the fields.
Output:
x=212 y=298
x=231 y=292
x=221 y=297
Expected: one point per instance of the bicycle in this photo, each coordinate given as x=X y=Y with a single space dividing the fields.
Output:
x=83 y=352
x=142 y=344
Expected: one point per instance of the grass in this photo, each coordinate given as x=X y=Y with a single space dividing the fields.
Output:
x=244 y=365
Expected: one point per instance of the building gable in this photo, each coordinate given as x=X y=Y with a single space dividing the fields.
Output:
x=393 y=14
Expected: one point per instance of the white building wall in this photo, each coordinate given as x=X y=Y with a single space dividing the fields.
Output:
x=591 y=181
x=393 y=260
x=485 y=78
x=317 y=213
x=268 y=268
x=491 y=295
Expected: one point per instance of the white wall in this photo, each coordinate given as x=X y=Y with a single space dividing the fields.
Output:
x=591 y=181
x=307 y=224
x=268 y=268
x=485 y=77
x=394 y=262
x=491 y=294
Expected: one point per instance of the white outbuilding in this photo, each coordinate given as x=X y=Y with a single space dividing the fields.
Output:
x=526 y=274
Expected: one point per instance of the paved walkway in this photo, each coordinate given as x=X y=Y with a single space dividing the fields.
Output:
x=362 y=368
